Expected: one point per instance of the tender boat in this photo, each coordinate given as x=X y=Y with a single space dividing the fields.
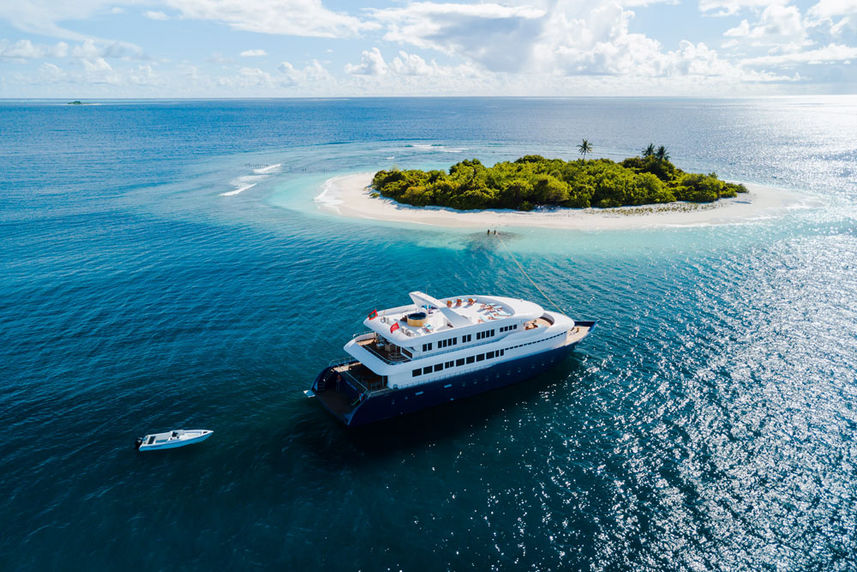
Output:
x=172 y=439
x=437 y=350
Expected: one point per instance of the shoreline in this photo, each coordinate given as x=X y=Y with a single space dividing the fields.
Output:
x=349 y=196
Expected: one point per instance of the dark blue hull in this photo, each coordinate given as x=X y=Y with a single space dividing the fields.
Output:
x=354 y=407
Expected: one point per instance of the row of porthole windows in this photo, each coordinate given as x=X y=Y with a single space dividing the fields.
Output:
x=484 y=334
x=457 y=363
x=509 y=328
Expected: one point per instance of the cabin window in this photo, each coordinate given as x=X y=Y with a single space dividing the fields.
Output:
x=471 y=359
x=427 y=369
x=465 y=339
x=489 y=355
x=407 y=353
x=438 y=366
x=416 y=372
x=502 y=352
x=448 y=364
x=480 y=357
x=454 y=341
x=459 y=362
x=427 y=347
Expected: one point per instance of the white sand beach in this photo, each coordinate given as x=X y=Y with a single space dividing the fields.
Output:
x=350 y=196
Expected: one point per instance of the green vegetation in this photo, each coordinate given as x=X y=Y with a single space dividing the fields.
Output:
x=75 y=102
x=533 y=181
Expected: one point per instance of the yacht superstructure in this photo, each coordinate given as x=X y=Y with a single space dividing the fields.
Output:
x=437 y=350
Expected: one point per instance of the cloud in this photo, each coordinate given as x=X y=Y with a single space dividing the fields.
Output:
x=285 y=17
x=779 y=26
x=371 y=63
x=51 y=73
x=831 y=8
x=412 y=64
x=731 y=7
x=27 y=50
x=833 y=53
x=90 y=48
x=491 y=34
x=253 y=53
x=155 y=15
x=314 y=73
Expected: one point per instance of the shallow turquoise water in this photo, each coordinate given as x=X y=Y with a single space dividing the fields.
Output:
x=708 y=422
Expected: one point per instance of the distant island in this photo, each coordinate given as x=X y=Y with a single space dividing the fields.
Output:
x=534 y=181
x=75 y=102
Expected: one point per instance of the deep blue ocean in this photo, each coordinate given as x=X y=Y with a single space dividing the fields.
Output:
x=709 y=422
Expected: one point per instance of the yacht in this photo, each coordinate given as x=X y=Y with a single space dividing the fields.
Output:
x=434 y=351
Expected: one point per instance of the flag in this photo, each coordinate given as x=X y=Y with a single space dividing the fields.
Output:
x=373 y=314
x=394 y=327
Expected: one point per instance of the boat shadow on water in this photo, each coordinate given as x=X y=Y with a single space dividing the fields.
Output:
x=333 y=443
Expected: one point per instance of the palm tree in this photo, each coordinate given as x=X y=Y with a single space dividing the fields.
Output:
x=661 y=154
x=649 y=151
x=584 y=148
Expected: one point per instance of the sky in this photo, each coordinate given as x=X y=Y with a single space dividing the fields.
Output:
x=339 y=48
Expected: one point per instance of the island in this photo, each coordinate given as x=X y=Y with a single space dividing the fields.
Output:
x=534 y=181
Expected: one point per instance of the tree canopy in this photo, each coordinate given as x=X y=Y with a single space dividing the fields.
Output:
x=533 y=181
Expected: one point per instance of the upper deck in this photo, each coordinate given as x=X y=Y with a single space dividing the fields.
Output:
x=429 y=317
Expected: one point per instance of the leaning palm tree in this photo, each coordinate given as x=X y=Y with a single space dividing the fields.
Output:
x=649 y=151
x=584 y=148
x=661 y=154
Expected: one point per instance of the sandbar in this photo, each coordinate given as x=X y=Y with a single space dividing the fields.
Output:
x=351 y=196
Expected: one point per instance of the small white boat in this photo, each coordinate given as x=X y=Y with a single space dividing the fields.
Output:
x=172 y=439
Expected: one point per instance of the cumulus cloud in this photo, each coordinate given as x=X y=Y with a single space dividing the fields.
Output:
x=371 y=63
x=412 y=64
x=253 y=53
x=27 y=50
x=499 y=37
x=832 y=8
x=779 y=26
x=155 y=15
x=313 y=73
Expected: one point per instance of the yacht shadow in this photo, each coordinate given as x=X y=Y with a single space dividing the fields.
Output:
x=334 y=444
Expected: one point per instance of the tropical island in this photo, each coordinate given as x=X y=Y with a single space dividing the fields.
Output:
x=533 y=181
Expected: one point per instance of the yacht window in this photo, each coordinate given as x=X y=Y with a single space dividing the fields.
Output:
x=480 y=357
x=416 y=372
x=471 y=359
x=459 y=361
x=489 y=355
x=427 y=369
x=438 y=366
x=448 y=364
